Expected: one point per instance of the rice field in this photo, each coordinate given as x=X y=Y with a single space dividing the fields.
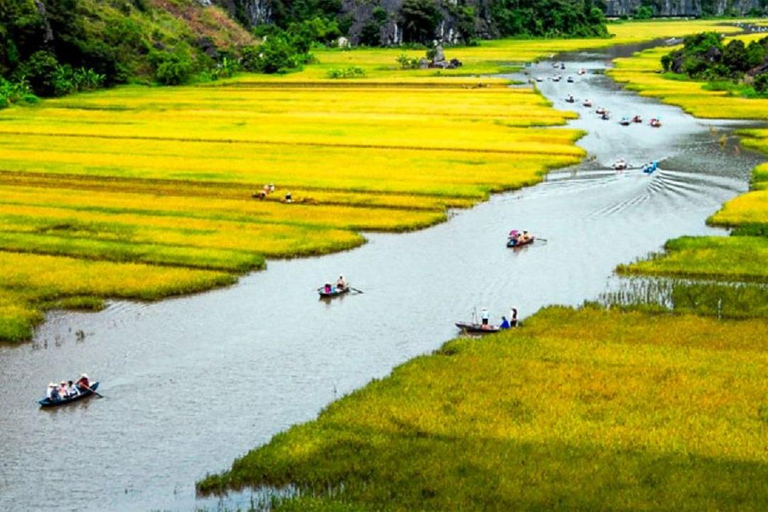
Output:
x=162 y=182
x=740 y=257
x=166 y=177
x=587 y=409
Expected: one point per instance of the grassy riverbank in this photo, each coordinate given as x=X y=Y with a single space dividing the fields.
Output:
x=165 y=177
x=740 y=257
x=587 y=409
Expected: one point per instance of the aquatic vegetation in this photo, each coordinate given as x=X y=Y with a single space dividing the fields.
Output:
x=578 y=409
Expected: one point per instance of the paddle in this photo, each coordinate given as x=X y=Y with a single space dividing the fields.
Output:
x=93 y=391
x=355 y=290
x=542 y=239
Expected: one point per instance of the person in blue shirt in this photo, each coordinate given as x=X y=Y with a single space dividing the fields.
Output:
x=504 y=323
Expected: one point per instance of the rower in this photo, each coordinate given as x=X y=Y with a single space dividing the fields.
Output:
x=83 y=383
x=341 y=284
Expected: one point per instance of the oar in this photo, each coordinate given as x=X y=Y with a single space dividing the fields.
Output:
x=542 y=239
x=93 y=391
x=355 y=290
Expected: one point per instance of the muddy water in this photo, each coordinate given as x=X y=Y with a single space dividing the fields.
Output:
x=194 y=382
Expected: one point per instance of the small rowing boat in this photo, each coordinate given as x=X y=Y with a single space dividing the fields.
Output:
x=47 y=402
x=477 y=328
x=334 y=292
x=516 y=242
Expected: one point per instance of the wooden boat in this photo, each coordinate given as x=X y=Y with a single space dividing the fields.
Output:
x=600 y=111
x=570 y=99
x=569 y=80
x=637 y=119
x=620 y=165
x=587 y=103
x=473 y=328
x=513 y=242
x=333 y=293
x=624 y=121
x=655 y=123
x=47 y=402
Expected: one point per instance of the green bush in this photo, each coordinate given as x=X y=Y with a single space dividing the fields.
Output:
x=173 y=69
x=41 y=71
x=350 y=72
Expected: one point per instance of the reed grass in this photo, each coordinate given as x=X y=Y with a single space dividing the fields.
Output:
x=588 y=409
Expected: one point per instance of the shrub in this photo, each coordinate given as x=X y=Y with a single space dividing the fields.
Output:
x=173 y=69
x=40 y=71
x=350 y=72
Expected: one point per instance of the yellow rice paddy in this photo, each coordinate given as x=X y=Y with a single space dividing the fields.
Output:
x=165 y=178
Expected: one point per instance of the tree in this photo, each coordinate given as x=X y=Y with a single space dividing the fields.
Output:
x=40 y=71
x=735 y=56
x=420 y=19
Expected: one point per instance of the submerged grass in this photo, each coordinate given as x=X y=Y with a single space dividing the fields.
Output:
x=587 y=409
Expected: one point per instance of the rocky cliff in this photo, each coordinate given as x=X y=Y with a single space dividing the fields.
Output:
x=686 y=7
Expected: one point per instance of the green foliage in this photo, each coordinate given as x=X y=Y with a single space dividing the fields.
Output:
x=644 y=12
x=172 y=69
x=15 y=92
x=419 y=19
x=407 y=62
x=761 y=83
x=549 y=18
x=704 y=56
x=41 y=71
x=350 y=72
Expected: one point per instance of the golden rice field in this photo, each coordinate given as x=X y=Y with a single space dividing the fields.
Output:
x=738 y=258
x=164 y=177
x=579 y=410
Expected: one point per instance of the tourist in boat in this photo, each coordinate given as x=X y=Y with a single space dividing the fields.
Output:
x=51 y=394
x=72 y=390
x=341 y=284
x=524 y=238
x=63 y=390
x=513 y=317
x=504 y=323
x=83 y=383
x=484 y=317
x=514 y=236
x=327 y=288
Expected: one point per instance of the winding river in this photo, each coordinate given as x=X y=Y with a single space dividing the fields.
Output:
x=191 y=383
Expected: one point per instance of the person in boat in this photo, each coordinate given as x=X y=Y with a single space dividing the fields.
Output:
x=72 y=390
x=341 y=283
x=288 y=197
x=51 y=394
x=83 y=383
x=504 y=323
x=514 y=235
x=327 y=288
x=63 y=390
x=513 y=317
x=484 y=316
x=524 y=238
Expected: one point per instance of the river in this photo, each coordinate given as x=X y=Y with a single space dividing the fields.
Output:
x=193 y=382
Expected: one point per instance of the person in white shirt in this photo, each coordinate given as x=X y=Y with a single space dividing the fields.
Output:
x=484 y=315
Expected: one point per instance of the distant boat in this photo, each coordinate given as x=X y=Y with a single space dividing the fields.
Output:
x=515 y=243
x=624 y=121
x=649 y=168
x=656 y=123
x=569 y=79
x=334 y=292
x=637 y=119
x=587 y=103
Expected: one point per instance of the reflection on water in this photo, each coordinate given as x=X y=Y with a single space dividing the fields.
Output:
x=191 y=383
